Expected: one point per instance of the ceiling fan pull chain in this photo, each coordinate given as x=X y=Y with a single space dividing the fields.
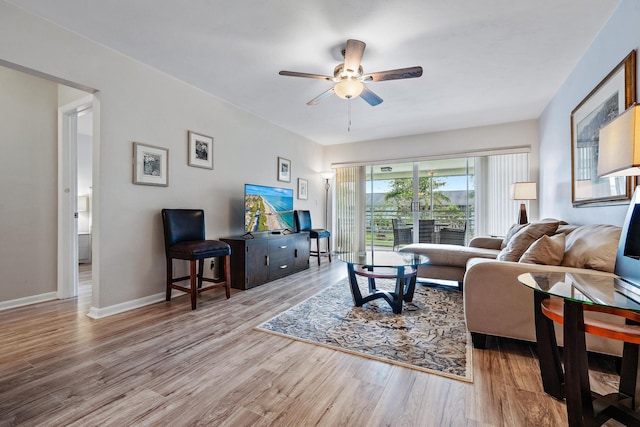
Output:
x=349 y=116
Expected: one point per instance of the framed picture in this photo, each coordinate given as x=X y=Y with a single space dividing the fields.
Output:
x=303 y=189
x=200 y=150
x=611 y=97
x=150 y=165
x=284 y=169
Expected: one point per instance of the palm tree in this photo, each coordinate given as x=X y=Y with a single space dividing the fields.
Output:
x=401 y=194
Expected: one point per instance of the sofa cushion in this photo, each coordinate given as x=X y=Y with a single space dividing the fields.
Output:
x=592 y=246
x=566 y=228
x=521 y=241
x=547 y=250
x=449 y=255
x=512 y=232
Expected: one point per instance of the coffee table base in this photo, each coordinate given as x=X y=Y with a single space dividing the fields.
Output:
x=405 y=285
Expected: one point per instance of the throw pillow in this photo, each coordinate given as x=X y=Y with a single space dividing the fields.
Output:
x=521 y=241
x=566 y=228
x=512 y=232
x=592 y=246
x=546 y=250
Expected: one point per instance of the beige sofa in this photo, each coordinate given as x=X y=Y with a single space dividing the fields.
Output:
x=495 y=302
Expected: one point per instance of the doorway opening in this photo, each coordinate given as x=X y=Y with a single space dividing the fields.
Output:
x=75 y=195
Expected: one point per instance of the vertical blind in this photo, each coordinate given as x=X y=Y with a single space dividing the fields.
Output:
x=350 y=205
x=495 y=210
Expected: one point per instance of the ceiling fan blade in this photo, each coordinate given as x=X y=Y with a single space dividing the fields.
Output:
x=353 y=55
x=401 y=73
x=307 y=75
x=370 y=97
x=320 y=97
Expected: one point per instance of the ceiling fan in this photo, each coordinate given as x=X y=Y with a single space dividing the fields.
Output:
x=349 y=77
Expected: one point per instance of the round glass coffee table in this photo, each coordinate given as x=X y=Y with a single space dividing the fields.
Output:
x=401 y=266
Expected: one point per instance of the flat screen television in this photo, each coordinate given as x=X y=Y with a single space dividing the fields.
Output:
x=267 y=208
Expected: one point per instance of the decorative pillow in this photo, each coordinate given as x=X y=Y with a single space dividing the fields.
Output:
x=566 y=228
x=512 y=232
x=592 y=246
x=546 y=250
x=521 y=241
x=559 y=221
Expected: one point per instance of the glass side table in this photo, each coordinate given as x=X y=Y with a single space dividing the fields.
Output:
x=580 y=293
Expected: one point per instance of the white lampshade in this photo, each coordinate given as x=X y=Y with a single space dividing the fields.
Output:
x=524 y=191
x=348 y=88
x=619 y=145
x=327 y=175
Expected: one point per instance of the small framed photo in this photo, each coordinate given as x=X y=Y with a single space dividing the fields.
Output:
x=150 y=165
x=200 y=150
x=284 y=169
x=303 y=189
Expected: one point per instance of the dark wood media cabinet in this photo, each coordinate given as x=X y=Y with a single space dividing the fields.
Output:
x=265 y=257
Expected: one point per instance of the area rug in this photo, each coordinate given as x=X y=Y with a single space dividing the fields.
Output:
x=430 y=335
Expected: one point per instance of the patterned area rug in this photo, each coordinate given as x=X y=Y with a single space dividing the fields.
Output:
x=430 y=334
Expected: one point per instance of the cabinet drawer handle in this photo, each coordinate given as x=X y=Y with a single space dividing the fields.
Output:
x=282 y=267
x=266 y=260
x=283 y=247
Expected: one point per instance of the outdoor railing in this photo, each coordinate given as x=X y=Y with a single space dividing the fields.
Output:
x=380 y=229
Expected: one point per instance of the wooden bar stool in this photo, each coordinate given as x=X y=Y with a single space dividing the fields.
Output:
x=303 y=223
x=184 y=238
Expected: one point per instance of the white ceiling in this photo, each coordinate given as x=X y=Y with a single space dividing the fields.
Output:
x=485 y=61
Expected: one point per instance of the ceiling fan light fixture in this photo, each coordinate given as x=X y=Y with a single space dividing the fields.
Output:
x=348 y=88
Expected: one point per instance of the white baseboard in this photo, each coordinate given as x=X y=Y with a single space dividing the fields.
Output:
x=99 y=313
x=33 y=299
x=94 y=313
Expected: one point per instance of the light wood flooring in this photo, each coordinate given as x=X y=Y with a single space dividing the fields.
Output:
x=165 y=365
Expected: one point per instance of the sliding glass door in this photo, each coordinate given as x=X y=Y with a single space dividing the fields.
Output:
x=410 y=202
x=386 y=206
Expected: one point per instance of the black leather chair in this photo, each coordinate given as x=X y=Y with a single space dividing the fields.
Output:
x=303 y=223
x=184 y=238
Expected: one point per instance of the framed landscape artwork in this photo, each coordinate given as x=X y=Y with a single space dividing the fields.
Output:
x=303 y=189
x=200 y=150
x=611 y=97
x=284 y=169
x=150 y=165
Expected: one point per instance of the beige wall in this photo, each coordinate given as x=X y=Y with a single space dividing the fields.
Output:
x=618 y=37
x=461 y=141
x=506 y=135
x=140 y=104
x=28 y=202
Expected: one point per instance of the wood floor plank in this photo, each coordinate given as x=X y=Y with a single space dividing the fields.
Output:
x=164 y=364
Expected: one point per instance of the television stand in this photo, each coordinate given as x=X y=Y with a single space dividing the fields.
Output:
x=266 y=257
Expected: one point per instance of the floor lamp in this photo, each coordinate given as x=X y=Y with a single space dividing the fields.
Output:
x=523 y=191
x=326 y=176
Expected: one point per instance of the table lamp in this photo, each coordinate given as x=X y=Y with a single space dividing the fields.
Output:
x=619 y=155
x=619 y=145
x=523 y=191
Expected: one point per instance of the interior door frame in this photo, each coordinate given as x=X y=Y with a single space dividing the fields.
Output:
x=68 y=195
